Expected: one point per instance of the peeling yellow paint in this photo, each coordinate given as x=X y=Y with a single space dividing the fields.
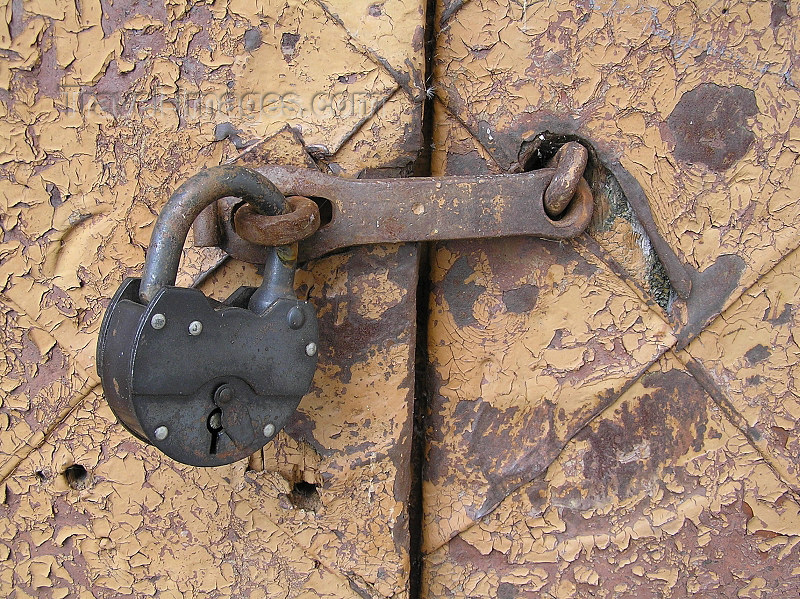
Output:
x=619 y=520
x=85 y=171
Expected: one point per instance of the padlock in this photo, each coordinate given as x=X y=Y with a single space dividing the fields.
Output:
x=207 y=382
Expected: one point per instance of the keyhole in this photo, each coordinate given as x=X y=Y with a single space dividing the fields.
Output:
x=214 y=425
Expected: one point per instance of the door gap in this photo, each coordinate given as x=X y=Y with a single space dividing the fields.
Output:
x=421 y=380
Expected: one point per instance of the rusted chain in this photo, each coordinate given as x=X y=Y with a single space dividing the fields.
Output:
x=570 y=164
x=282 y=229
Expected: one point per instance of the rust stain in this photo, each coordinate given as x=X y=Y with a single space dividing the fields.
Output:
x=654 y=497
x=709 y=124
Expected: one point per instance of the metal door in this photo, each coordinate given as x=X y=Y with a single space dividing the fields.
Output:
x=107 y=107
x=582 y=429
x=590 y=432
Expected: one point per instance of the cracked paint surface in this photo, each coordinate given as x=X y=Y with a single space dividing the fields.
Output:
x=528 y=340
x=683 y=482
x=561 y=459
x=140 y=524
x=752 y=355
x=106 y=108
x=658 y=496
x=619 y=76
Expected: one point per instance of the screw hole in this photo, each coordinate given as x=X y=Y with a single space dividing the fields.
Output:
x=305 y=496
x=76 y=476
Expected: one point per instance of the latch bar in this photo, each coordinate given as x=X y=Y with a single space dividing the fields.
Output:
x=367 y=211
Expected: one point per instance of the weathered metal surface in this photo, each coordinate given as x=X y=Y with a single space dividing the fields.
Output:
x=751 y=355
x=528 y=340
x=300 y=222
x=101 y=118
x=684 y=485
x=659 y=496
x=40 y=383
x=721 y=191
x=136 y=523
x=367 y=211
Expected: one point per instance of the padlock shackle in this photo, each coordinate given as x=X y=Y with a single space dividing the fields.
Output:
x=186 y=203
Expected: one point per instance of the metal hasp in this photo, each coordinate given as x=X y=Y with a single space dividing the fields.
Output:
x=208 y=382
x=550 y=203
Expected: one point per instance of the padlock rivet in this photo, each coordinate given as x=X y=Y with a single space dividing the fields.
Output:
x=158 y=321
x=311 y=349
x=161 y=433
x=195 y=327
x=269 y=430
x=296 y=318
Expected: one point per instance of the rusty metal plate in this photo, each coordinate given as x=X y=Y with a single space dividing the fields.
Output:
x=660 y=495
x=702 y=114
x=367 y=211
x=527 y=341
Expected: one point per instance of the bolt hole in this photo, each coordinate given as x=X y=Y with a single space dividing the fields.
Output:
x=325 y=210
x=76 y=476
x=305 y=496
x=536 y=153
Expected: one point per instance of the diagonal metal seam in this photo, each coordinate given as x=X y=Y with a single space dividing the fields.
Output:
x=354 y=580
x=498 y=156
x=695 y=369
x=450 y=12
x=361 y=587
x=442 y=104
x=10 y=467
x=378 y=106
x=363 y=49
x=590 y=245
x=594 y=416
x=720 y=398
x=89 y=385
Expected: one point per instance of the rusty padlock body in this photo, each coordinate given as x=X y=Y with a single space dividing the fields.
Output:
x=207 y=382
